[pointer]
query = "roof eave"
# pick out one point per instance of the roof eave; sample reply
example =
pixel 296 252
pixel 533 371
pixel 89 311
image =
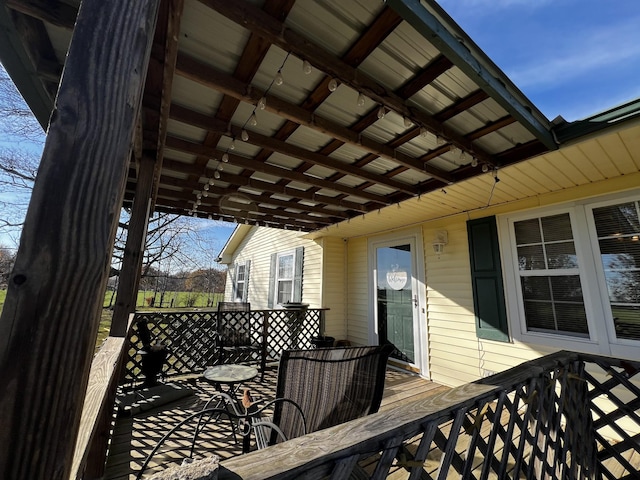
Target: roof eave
pixel 463 52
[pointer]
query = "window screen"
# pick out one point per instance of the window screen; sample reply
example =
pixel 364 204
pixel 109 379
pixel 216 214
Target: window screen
pixel 549 276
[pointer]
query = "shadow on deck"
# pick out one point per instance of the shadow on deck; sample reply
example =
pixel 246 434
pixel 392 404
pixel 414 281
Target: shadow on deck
pixel 134 437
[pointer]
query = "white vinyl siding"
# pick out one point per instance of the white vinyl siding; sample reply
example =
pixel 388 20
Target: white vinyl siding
pixel 258 245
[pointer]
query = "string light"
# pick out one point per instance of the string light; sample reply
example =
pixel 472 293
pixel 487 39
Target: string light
pixel 360 101
pixel 206 187
pixel 216 174
pixel 262 104
pixel 225 157
pixel 306 67
pixel 244 135
pixel 211 181
pixel 474 162
pixel 485 168
pixel 232 145
pixel 407 122
pixel 381 113
pixel 253 120
pixel 279 79
pixel 333 85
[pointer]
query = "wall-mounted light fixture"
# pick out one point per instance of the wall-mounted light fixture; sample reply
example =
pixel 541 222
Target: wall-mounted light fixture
pixel 440 240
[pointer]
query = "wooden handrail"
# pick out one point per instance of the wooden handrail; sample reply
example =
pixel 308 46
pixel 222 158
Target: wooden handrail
pixel 91 444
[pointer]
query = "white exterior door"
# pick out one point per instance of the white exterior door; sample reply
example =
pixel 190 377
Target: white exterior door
pixel 398 297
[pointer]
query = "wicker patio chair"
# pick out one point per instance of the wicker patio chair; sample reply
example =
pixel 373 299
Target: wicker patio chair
pixel 321 388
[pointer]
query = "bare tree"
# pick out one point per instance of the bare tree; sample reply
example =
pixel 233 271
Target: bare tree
pixel 19 121
pixel 21 142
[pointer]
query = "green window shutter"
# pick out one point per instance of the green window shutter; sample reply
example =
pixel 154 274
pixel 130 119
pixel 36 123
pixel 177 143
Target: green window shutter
pixel 245 291
pixel 296 295
pixel 272 280
pixel 486 278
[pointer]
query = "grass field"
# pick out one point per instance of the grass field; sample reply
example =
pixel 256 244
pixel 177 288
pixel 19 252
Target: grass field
pixel 171 299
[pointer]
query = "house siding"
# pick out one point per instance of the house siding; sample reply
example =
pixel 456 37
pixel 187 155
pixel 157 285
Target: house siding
pixel 336 275
pixel 334 292
pixel 357 291
pixel 257 246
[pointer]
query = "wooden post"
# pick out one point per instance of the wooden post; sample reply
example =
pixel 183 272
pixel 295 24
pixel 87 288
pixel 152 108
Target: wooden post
pixel 51 314
pixel 133 250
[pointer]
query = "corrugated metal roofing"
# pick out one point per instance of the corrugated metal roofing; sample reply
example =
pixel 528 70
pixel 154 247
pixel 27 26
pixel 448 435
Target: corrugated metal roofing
pixel 416 107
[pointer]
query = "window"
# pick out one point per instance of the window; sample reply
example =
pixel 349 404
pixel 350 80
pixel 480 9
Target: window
pixel 572 276
pixel 240 271
pixel 285 278
pixel 618 230
pixel 549 276
pixel 241 284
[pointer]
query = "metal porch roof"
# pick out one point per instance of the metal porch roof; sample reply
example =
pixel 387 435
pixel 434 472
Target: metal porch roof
pixel 379 103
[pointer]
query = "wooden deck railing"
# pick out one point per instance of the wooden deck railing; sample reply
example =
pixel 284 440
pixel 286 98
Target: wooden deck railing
pixel 563 416
pixel 97 413
pixel 190 336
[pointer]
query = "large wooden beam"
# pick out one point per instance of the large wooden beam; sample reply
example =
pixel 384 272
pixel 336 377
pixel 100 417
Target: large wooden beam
pixel 50 318
pixel 133 249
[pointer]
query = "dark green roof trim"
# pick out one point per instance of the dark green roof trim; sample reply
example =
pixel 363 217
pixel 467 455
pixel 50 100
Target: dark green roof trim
pixel 434 24
pixel 16 62
pixel 613 117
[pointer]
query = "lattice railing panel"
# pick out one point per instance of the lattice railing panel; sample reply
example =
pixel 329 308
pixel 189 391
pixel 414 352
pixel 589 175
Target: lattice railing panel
pixel 540 420
pixel 614 394
pixel 192 340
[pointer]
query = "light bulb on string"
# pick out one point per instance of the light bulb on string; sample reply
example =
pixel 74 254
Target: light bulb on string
pixel 225 157
pixel 216 174
pixel 253 120
pixel 381 113
pixel 220 168
pixel 278 79
pixel 244 135
pixel 205 194
pixel 333 85
pixel 474 162
pixel 360 101
pixel 407 122
pixel 262 104
pixel 306 67
pixel 198 196
pixel 485 168
pixel 211 181
pixel 206 186
pixel 232 145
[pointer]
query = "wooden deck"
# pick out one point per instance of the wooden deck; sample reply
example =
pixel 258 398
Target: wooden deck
pixel 135 437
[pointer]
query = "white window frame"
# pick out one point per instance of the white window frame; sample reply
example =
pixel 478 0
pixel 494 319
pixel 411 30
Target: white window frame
pixel 277 279
pixel 619 347
pixel 240 284
pixel 597 342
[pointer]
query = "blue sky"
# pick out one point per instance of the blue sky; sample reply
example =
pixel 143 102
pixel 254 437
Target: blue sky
pixel 569 57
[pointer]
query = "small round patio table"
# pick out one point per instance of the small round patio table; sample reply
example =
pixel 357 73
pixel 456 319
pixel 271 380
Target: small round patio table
pixel 230 375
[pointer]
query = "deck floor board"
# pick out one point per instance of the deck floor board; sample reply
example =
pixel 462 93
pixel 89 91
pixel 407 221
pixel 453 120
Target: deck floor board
pixel 135 437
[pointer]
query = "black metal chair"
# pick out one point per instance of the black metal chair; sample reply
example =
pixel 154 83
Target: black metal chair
pixel 321 388
pixel 241 337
